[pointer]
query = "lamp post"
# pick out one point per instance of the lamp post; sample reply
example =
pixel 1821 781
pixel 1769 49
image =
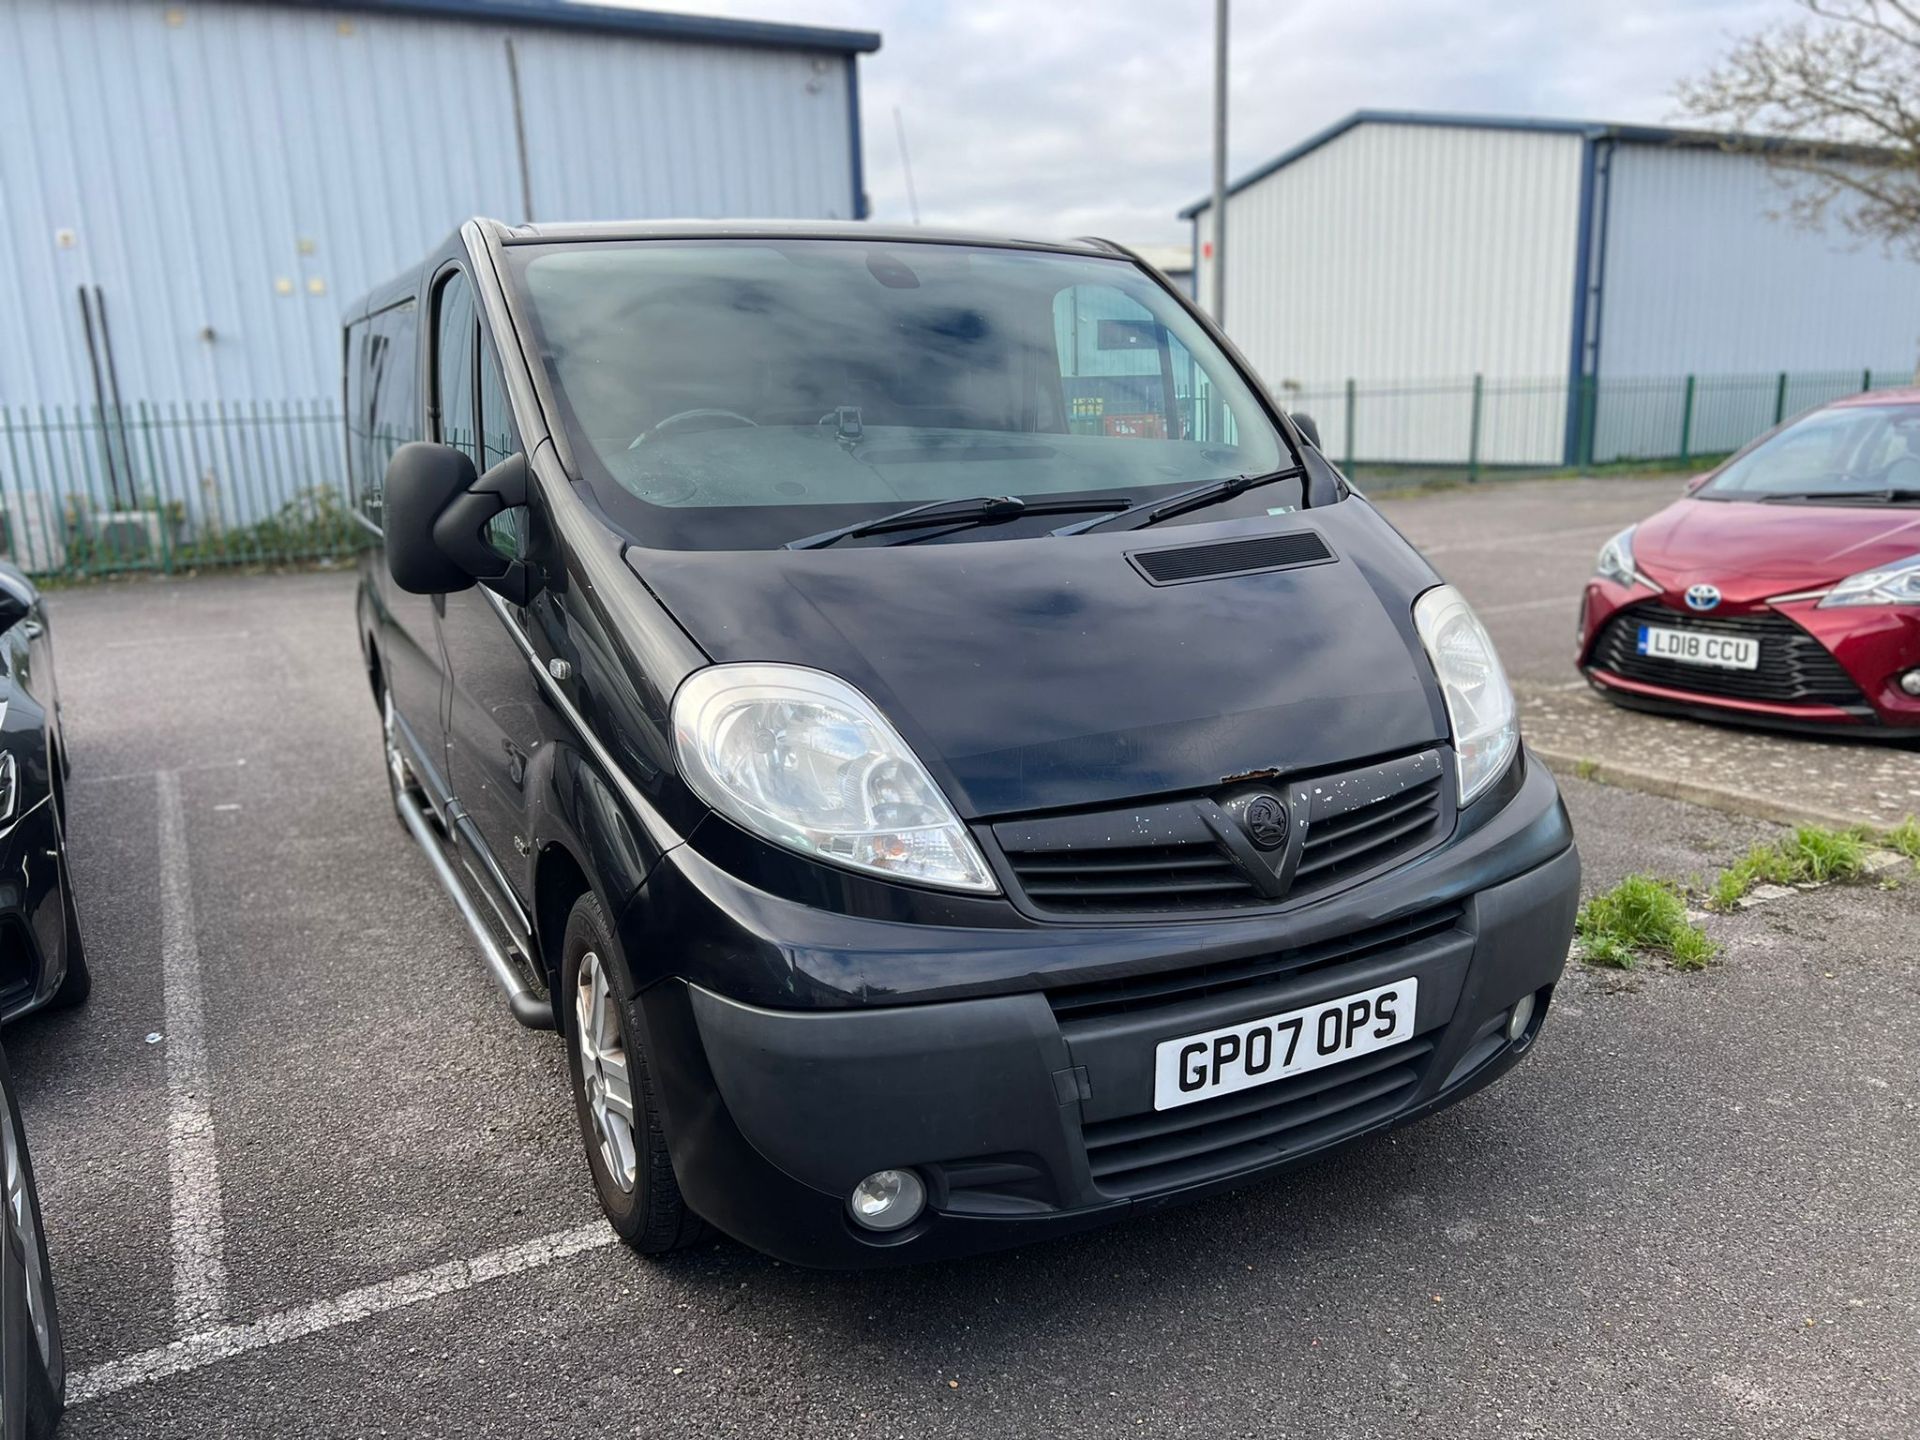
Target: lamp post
pixel 1220 163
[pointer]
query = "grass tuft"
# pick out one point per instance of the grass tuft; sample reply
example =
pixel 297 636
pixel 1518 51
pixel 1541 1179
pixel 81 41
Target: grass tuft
pixel 1812 855
pixel 1904 838
pixel 1639 918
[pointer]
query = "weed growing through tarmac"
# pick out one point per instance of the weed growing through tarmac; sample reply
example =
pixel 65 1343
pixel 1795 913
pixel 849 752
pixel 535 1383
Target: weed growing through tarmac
pixel 1589 770
pixel 1905 839
pixel 1641 918
pixel 1813 855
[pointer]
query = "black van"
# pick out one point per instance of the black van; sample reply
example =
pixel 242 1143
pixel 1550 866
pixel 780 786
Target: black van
pixel 1152 819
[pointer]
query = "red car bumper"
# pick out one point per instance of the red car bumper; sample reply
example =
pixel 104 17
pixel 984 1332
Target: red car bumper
pixel 1827 670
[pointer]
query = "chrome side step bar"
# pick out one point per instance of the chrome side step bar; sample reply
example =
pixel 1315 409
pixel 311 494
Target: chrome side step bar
pixel 530 1009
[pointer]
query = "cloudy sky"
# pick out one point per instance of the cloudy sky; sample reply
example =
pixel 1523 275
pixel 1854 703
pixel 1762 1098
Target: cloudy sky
pixel 1071 117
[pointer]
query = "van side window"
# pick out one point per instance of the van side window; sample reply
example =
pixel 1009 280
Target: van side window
pixel 392 399
pixel 455 339
pixel 499 438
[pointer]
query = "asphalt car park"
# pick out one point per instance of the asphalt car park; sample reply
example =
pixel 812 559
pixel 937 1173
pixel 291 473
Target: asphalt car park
pixel 1520 551
pixel 302 1174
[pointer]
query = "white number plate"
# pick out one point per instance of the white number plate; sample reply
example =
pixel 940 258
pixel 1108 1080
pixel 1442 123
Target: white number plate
pixel 1259 1052
pixel 1691 647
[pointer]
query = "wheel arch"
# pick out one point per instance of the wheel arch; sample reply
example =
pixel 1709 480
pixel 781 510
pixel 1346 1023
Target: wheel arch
pixel 559 880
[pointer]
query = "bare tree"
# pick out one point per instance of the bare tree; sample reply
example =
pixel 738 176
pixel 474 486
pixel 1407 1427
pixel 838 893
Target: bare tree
pixel 1844 80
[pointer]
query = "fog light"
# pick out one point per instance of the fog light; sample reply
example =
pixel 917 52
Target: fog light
pixel 1522 1015
pixel 888 1199
pixel 1910 682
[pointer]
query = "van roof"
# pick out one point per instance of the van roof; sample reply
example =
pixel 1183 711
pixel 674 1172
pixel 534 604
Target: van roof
pixel 779 229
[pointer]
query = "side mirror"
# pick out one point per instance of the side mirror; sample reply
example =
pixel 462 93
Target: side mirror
pixel 16 597
pixel 437 511
pixel 1304 423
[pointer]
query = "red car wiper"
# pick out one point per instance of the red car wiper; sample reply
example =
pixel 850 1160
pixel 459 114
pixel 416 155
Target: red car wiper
pixel 1885 494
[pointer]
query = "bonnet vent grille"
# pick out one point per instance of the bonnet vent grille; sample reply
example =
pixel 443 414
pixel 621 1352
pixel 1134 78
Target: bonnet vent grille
pixel 1231 557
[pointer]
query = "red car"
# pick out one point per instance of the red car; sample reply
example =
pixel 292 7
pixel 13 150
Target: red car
pixel 1784 590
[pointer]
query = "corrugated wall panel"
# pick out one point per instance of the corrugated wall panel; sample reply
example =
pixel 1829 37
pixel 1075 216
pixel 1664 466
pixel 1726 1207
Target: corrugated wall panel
pixel 1402 255
pixel 1702 276
pixel 242 171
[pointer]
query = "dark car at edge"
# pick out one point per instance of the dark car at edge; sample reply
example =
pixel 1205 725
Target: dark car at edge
pixel 42 960
pixel 949 754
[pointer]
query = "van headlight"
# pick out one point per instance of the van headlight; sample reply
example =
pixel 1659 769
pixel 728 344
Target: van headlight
pixel 9 781
pixel 803 759
pixel 1480 707
pixel 1895 584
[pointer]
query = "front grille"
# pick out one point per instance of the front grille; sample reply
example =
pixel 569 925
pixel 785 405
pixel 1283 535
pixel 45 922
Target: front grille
pixel 1795 668
pixel 1165 1149
pixel 1142 992
pixel 1192 874
pixel 1176 855
pixel 1341 846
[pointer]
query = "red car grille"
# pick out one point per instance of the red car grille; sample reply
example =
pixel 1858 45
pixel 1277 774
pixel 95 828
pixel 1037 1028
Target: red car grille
pixel 1795 668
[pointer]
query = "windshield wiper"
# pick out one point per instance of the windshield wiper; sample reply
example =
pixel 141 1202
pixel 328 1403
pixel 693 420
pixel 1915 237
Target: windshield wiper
pixel 1181 501
pixel 980 510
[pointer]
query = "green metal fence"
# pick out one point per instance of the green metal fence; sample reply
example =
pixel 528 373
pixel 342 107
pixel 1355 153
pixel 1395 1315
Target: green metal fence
pixel 177 486
pixel 1476 424
pixel 172 486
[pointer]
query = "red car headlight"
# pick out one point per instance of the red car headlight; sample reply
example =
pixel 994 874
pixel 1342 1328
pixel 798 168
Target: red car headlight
pixel 1895 584
pixel 1615 561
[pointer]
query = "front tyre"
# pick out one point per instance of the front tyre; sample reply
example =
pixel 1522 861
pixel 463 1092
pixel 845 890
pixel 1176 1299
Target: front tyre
pixel 613 1092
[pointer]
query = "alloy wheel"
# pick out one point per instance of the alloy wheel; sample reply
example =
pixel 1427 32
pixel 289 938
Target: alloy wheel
pixel 390 730
pixel 603 1070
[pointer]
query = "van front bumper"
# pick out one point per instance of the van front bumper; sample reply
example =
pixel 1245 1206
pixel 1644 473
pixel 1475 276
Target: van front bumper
pixel 1031 1114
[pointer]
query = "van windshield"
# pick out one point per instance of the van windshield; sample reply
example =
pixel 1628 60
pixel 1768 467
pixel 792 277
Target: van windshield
pixel 735 394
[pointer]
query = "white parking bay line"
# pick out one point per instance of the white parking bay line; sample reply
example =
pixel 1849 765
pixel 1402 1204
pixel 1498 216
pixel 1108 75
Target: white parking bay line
pixel 193 1168
pixel 223 1342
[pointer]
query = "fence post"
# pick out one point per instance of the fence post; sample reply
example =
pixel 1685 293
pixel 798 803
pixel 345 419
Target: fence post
pixel 1866 379
pixel 163 521
pixel 1473 432
pixel 1686 424
pixel 1780 399
pixel 1349 465
pixel 1587 396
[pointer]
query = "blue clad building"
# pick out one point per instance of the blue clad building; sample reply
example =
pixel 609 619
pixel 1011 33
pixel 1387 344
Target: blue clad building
pixel 190 192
